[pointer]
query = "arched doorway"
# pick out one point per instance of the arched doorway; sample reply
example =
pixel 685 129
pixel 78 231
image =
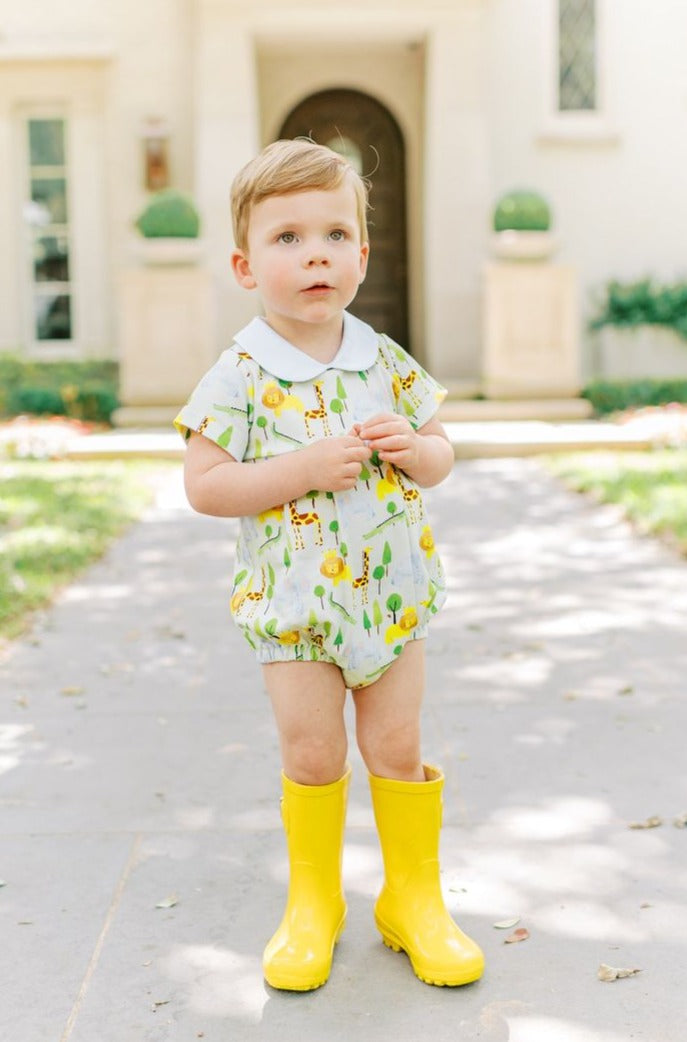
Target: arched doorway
pixel 366 132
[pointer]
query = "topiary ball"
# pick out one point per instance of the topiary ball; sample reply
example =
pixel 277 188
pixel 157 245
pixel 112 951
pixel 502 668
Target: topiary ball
pixel 170 215
pixel 522 211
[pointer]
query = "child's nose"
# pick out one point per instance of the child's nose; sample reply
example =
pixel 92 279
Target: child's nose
pixel 316 255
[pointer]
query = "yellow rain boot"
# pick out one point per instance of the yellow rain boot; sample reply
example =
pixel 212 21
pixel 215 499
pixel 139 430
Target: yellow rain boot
pixel 410 912
pixel 299 956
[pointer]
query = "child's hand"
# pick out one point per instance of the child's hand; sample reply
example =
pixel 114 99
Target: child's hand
pixel 335 463
pixel 392 438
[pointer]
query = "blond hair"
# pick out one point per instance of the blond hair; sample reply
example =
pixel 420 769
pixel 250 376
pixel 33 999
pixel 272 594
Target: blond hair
pixel 292 166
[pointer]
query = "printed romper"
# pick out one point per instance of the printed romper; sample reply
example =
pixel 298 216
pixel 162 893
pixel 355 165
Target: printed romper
pixel 343 577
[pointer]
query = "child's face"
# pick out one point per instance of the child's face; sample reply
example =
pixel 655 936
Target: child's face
pixel 305 257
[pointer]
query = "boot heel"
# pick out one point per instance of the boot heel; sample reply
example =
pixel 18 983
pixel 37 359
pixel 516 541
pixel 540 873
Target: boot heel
pixel 389 939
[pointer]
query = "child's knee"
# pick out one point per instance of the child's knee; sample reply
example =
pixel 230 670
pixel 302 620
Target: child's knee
pixel 393 754
pixel 313 761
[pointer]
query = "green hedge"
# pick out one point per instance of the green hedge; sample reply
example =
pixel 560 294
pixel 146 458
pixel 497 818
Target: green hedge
pixel 81 390
pixel 645 302
pixel 608 396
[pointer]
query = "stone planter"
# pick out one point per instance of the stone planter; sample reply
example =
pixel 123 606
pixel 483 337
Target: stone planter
pixel 523 246
pixel 644 352
pixel 166 252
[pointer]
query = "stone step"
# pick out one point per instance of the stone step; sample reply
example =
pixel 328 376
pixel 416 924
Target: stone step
pixel 456 409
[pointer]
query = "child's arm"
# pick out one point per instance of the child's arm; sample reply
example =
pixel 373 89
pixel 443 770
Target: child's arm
pixel 219 485
pixel 426 455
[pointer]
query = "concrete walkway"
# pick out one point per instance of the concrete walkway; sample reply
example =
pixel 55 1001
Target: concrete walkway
pixel 140 842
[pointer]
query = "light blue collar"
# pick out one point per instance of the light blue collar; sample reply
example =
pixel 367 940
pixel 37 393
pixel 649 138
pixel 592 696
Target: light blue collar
pixel 280 358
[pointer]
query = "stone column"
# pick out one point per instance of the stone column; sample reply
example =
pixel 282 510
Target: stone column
pixel 226 136
pixel 167 340
pixel 456 195
pixel 531 341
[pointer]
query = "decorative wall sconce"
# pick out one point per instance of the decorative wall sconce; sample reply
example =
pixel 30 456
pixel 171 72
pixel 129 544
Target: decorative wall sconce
pixel 155 137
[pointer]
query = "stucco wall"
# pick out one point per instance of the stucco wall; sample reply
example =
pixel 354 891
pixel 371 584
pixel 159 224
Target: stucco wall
pixel 469 81
pixel 616 183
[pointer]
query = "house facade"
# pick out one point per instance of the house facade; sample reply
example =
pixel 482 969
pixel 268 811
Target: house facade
pixel 446 104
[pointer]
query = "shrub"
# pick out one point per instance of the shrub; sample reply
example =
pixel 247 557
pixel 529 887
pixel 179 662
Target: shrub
pixel 82 390
pixel 522 211
pixel 644 302
pixel 607 396
pixel 169 214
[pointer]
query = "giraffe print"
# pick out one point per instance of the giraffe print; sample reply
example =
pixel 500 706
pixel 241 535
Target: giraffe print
pixel 411 499
pixel 405 383
pixel 300 521
pixel 317 414
pixel 253 597
pixel 362 582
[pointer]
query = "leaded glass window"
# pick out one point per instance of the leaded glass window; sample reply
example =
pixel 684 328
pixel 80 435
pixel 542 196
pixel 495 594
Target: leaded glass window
pixel 47 216
pixel 577 80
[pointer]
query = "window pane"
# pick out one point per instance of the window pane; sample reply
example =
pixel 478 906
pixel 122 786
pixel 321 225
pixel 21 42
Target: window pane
pixel 51 259
pixel 53 317
pixel 577 55
pixel 46 142
pixel 51 193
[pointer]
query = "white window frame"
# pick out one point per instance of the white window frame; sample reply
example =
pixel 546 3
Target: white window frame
pixel 584 126
pixel 50 350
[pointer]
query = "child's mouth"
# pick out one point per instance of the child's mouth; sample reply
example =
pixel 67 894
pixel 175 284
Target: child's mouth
pixel 318 287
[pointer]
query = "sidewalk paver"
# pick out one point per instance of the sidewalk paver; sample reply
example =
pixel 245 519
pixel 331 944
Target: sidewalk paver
pixel 139 767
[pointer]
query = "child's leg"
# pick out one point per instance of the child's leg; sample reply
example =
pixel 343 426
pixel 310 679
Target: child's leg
pixel 388 717
pixel 308 700
pixel 407 798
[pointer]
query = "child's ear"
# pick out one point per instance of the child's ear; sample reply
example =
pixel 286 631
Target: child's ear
pixel 241 268
pixel 364 257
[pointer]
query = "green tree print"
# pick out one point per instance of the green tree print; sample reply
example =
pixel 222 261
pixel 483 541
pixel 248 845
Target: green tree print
pixel 386 556
pixel 337 407
pixel 394 602
pixel 341 391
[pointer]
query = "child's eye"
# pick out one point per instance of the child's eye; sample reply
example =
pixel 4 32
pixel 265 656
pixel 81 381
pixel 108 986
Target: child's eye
pixel 287 237
pixel 338 235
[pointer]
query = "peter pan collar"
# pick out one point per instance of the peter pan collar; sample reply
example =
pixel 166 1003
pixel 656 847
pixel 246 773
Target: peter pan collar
pixel 280 358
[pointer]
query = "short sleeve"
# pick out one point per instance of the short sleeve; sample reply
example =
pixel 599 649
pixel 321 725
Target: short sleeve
pixel 220 407
pixel 417 394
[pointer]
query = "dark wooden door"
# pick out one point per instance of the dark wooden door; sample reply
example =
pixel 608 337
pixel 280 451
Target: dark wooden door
pixel 365 131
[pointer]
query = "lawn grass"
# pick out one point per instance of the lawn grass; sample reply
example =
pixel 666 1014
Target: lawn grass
pixel 55 519
pixel 650 487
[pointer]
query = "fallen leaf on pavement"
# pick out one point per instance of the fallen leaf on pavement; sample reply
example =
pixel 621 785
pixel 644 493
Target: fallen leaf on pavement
pixel 609 973
pixel 506 924
pixel 168 902
pixel 681 822
pixel 650 823
pixel 71 690
pixel 518 935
